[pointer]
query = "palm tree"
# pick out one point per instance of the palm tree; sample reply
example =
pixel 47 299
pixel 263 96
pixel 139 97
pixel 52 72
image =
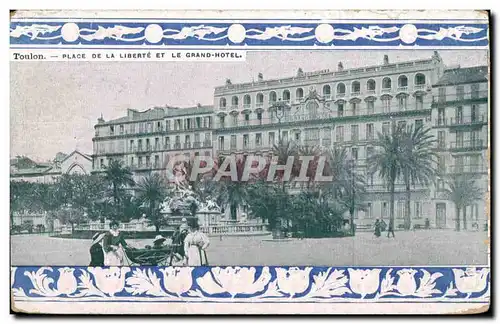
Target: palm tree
pixel 348 186
pixel 151 192
pixel 118 176
pixel 462 191
pixel 387 162
pixel 418 163
pixel 233 193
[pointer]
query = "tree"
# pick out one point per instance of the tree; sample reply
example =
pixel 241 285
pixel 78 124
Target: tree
pixel 462 191
pixel 151 191
pixel 265 201
pixel 234 193
pixel 387 161
pixel 418 162
pixel 118 177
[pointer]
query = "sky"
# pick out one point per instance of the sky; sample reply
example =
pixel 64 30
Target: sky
pixel 55 105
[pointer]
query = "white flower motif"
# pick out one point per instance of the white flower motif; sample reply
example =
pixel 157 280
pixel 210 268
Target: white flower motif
pixel 471 280
pixel 177 280
pixel 364 282
pixel 294 280
pixel 407 284
pixel 234 280
pixel 66 284
pixel 110 280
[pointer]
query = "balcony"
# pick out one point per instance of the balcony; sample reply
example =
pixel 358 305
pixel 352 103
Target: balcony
pixel 471 168
pixel 247 106
pixel 259 105
pixel 328 96
pixel 355 93
pixel 340 95
pixel 420 87
pixel 177 146
pixel 371 92
pixel 468 145
pixel 398 187
pixel 326 142
pixel 234 107
pixel 196 144
pixel 187 145
pixel 386 90
pixel 467 121
pixel 222 107
pixel 167 147
pixel 207 144
pixel 403 89
pixel 298 100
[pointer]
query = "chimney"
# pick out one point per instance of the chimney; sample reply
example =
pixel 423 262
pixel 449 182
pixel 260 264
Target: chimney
pixel 100 120
pixel 300 72
pixel 340 67
pixel 260 77
pixel 386 59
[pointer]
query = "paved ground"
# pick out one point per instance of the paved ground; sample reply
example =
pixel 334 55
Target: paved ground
pixel 409 248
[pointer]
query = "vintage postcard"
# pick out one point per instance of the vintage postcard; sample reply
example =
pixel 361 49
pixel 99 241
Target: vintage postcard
pixel 249 162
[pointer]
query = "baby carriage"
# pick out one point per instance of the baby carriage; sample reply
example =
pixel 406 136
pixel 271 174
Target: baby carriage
pixel 151 257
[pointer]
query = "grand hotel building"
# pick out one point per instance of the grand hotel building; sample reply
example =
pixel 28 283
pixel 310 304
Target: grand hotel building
pixel 345 107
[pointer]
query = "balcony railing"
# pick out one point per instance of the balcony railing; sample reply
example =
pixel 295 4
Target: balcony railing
pixel 370 92
pixel 167 146
pixel 469 120
pixel 328 96
pixel 386 90
pixel 177 146
pixel 234 107
pixel 397 187
pixel 473 144
pixel 207 143
pixel 470 168
pixel 259 105
pixel 196 144
pixel 326 142
pixel 187 145
pixel 355 93
pixel 247 106
pixel 403 89
pixel 419 87
pixel 340 95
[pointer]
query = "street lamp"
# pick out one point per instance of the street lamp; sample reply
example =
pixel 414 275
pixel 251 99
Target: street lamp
pixel 279 108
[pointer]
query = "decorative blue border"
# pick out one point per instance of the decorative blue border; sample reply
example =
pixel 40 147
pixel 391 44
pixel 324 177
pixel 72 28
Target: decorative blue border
pixel 252 284
pixel 245 34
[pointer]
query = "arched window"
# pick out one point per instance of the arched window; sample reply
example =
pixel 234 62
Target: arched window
pixel 402 81
pixel 341 88
pixel 234 101
pixel 222 103
pixel 286 95
pixel 370 85
pixel 247 100
pixel 355 87
pixel 386 83
pixel 299 93
pixel 272 97
pixel 420 79
pixel 260 99
pixel 327 91
pixel 312 108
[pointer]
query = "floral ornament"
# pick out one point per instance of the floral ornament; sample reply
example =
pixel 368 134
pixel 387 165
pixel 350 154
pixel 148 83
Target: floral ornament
pixel 145 281
pixel 364 282
pixel 110 280
pixel 294 280
pixel 234 280
pixel 66 283
pixel 177 280
pixel 471 280
pixel 326 284
pixel 407 284
pixel 12 276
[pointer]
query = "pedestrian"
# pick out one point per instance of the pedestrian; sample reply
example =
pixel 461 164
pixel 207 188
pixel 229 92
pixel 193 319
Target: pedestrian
pixel 195 246
pixel 114 245
pixel 391 230
pixel 96 251
pixel 378 227
pixel 178 238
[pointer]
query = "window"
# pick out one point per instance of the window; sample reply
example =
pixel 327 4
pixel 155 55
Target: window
pixel 341 88
pixel 148 161
pixel 157 143
pixel 101 163
pixel 312 108
pixel 141 127
pixel 259 118
pixel 327 91
pixel 131 148
pixel 139 144
pixel 233 142
pixel 474 212
pixel 111 130
pixel 271 139
pixel 258 139
pixel 111 147
pixel 474 91
pixel 355 87
pixel 369 132
pixel 246 101
pixel 400 209
pixel 354 153
pixel 419 102
pixel 286 95
pixel 340 134
pixel 157 161
pixel 148 145
pixel 167 143
pixel 442 94
pixel 474 114
pixel 370 105
pixel 474 162
pixel 369 152
pixel 354 108
pixel 354 133
pixel 459 164
pixel 132 128
pixel 419 123
pixel 386 128
pixel 260 99
pixel 234 120
pixel 222 121
pixel 369 210
pixel 234 102
pixel 402 100
pixel 402 124
pixel 386 104
pixel 132 161
pixel 140 161
pixel 221 143
pixel 297 136
pixel 246 141
pixel 370 85
pixel 440 185
pixel 402 81
pixel 386 84
pixel 441 164
pixel 441 139
pixel 459 114
pixel 272 97
pixel 441 117
pixel 122 129
pixel 418 209
pixel 340 109
pixel 384 213
pixel 420 79
pixel 222 103
pixel 460 92
pixel 247 118
pixel 285 136
pixel 208 139
pixel 460 139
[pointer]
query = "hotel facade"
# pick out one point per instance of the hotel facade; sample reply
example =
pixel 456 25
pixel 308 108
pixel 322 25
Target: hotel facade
pixel 341 108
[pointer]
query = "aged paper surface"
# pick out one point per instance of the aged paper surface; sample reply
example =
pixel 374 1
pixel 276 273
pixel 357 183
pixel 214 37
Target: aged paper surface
pixel 260 162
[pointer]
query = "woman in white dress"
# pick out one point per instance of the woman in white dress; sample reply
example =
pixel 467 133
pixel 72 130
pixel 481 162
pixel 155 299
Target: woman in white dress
pixel 113 246
pixel 195 245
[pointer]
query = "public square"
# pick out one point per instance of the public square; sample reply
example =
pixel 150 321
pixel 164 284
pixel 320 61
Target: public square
pixel 413 248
